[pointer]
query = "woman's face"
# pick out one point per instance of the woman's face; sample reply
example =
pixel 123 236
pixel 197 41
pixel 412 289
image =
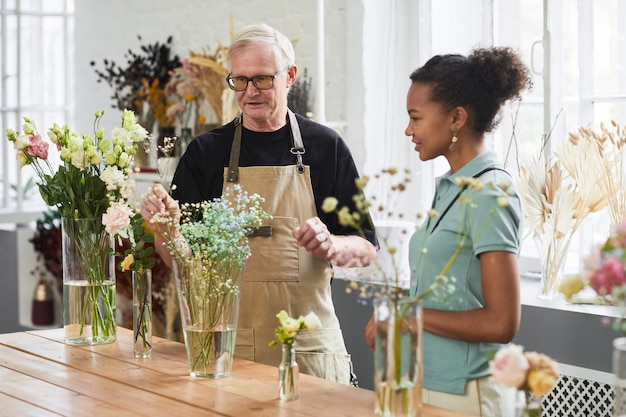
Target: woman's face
pixel 430 125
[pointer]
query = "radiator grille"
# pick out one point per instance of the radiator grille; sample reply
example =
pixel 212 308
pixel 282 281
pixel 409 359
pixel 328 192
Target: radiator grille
pixel 578 397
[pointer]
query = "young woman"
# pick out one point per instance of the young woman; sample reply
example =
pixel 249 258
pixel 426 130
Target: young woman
pixel 452 102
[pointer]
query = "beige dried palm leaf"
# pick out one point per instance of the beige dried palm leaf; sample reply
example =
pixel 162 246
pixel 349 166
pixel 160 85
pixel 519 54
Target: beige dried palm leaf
pixel 603 155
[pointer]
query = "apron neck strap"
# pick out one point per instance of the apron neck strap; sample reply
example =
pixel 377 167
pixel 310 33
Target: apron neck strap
pixel 296 141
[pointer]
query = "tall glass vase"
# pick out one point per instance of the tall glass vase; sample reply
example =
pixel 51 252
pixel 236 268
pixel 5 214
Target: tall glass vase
pixel 88 282
pixel 209 298
pixel 619 371
pixel 288 374
pixel 142 313
pixel 398 357
pixel 552 255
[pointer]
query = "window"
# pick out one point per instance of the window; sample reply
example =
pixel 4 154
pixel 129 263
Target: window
pixel 575 49
pixel 36 74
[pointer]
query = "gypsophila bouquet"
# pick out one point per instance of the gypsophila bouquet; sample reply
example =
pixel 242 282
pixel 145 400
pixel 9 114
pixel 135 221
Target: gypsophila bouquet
pixel 209 245
pixel 532 374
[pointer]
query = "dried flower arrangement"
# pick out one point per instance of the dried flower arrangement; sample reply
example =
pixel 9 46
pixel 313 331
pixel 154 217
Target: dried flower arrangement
pixel 146 72
pixel 557 196
pixel 603 165
pixel 298 99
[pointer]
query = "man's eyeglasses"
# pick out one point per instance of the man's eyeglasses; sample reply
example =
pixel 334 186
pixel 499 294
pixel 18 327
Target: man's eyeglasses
pixel 261 82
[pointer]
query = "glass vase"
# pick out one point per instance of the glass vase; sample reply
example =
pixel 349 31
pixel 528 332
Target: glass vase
pixel 398 357
pixel 619 371
pixel 88 282
pixel 209 298
pixel 288 374
pixel 528 405
pixel 552 254
pixel 142 313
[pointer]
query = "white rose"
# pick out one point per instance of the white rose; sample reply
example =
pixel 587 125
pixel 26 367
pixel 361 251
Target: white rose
pixel 509 367
pixel 311 321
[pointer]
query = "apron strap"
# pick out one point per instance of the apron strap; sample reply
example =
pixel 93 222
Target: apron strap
pixel 296 140
pixel 298 146
pixel 235 150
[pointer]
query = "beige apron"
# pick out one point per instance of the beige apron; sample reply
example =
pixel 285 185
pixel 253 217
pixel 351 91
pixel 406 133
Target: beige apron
pixel 280 275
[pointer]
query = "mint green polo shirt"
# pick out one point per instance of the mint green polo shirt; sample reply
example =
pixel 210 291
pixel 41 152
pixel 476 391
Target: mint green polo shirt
pixel 449 363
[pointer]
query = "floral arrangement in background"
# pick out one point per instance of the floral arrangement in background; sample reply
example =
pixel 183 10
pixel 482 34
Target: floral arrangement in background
pixel 186 97
pixel 532 374
pixel 557 196
pixel 138 84
pixel 604 272
pixel 208 72
pixel 47 244
pixel 298 99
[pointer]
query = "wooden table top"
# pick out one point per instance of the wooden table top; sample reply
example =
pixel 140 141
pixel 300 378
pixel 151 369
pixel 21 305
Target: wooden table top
pixel 42 376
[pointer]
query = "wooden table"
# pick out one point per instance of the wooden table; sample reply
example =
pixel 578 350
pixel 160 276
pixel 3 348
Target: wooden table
pixel 42 376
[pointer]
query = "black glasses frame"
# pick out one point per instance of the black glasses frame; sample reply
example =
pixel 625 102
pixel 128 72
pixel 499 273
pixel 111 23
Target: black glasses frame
pixel 231 81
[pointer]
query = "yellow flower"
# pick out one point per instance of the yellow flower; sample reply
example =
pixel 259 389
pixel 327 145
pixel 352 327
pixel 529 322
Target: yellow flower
pixel 541 382
pixel 329 205
pixel 345 218
pixel 361 182
pixel 127 262
pixel 571 285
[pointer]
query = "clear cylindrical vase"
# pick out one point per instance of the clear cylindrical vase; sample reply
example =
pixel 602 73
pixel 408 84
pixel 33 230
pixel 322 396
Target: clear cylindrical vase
pixel 142 313
pixel 209 298
pixel 288 374
pixel 88 282
pixel 398 357
pixel 619 370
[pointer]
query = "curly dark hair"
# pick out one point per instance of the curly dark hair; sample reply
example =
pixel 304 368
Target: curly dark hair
pixel 481 82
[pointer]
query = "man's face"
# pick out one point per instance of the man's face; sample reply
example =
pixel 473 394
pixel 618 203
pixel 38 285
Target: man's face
pixel 264 110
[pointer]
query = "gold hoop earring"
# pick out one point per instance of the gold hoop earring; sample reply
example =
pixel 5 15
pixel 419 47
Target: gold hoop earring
pixel 455 139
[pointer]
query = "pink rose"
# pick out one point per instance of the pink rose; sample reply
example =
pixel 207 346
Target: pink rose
pixel 611 273
pixel 509 367
pixel 37 148
pixel 116 218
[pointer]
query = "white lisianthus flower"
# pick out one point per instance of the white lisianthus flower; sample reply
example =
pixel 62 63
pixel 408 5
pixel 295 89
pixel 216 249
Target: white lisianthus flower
pixel 22 159
pixel 93 156
pixel 510 367
pixel 22 142
pixel 53 137
pixel 29 128
pixel 112 177
pixel 311 321
pixel 77 158
pixel 124 160
pixel 104 146
pixel 121 136
pixel 291 325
